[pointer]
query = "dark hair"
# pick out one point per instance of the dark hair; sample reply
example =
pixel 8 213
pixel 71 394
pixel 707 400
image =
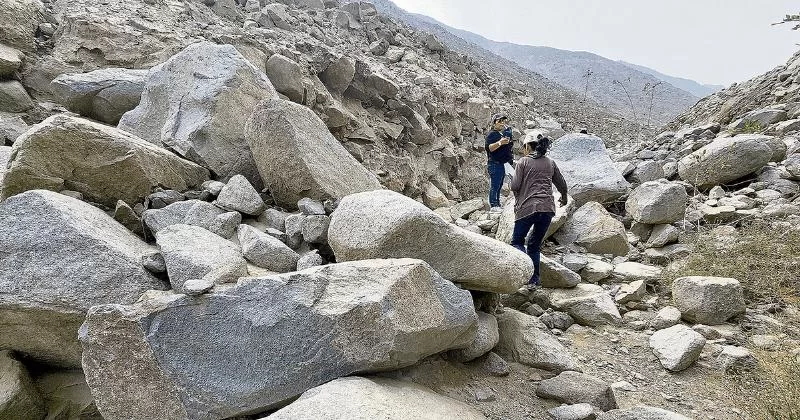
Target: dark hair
pixel 542 145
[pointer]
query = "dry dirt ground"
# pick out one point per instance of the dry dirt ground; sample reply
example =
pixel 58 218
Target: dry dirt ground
pixel 612 354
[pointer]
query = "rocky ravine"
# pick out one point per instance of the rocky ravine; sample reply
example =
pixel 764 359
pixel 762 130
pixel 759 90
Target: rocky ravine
pixel 203 240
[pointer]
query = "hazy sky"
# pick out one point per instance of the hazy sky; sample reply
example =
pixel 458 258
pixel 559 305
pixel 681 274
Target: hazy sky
pixel 710 41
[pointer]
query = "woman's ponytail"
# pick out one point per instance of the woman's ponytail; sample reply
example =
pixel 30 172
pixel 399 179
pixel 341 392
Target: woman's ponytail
pixel 542 145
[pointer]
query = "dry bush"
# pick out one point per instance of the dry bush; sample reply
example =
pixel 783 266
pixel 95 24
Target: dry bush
pixel 771 391
pixel 764 258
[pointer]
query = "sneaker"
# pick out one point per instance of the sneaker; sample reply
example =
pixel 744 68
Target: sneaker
pixel 496 209
pixel 534 281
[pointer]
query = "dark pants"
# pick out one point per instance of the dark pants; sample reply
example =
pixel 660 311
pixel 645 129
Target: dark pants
pixel 540 222
pixel 497 173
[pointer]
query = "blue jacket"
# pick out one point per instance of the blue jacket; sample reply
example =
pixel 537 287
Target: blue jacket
pixel 505 153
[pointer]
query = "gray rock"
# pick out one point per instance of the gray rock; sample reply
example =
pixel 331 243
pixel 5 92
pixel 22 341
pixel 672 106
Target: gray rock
pixel 583 411
pixel 192 252
pixel 266 251
pixel 760 118
pixel 493 364
pixel 62 256
pixel 464 209
pixel 188 106
pixel 557 320
pixel 14 97
pixel 677 347
pixel 101 162
pixel 195 213
pixel 631 292
pixel 286 76
pixel 294 230
pixel 486 339
pixel 338 75
pixel 11 127
pixel 311 207
pixel 239 195
pixel 360 398
pixel 641 413
pixel 575 388
pixel 596 270
pixel 631 271
pixel 657 202
pixel 197 287
pixel 668 253
pixel 154 263
pixel 10 60
pixel 213 187
pixel 553 274
pixel 524 339
pixel 278 15
pixel 663 235
pixel 645 171
pixel 725 159
pixel 665 318
pixel 735 359
pixel 309 259
pixel 505 228
pixel 19 398
pixel 382 86
pixel 309 162
pixel 433 43
pixel 161 199
pixel 708 300
pixel 103 94
pixel 19 21
pixel 385 224
pixel 274 219
pixel 593 227
pixel 315 229
pixel 124 214
pixel 588 304
pixel 315 326
pixel 587 168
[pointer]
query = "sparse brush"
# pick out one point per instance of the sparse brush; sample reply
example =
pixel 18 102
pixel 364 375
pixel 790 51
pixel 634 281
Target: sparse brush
pixel 765 259
pixel 771 391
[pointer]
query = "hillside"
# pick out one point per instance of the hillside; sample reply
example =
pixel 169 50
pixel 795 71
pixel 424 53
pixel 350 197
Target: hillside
pixel 697 89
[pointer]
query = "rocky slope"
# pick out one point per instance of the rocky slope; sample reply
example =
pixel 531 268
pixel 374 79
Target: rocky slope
pixel 697 89
pixel 271 223
pixel 567 69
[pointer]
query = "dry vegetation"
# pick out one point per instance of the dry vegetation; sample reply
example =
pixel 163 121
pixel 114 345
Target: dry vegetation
pixel 766 260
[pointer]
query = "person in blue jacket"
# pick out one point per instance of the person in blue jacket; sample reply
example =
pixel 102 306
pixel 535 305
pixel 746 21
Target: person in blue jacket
pixel 499 145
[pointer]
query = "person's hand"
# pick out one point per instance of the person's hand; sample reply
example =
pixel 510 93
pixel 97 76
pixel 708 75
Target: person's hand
pixel 563 200
pixel 504 141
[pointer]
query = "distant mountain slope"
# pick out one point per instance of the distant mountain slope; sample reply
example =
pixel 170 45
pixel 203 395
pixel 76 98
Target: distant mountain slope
pixel 569 68
pixel 695 88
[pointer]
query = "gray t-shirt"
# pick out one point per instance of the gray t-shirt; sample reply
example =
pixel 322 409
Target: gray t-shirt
pixel 533 186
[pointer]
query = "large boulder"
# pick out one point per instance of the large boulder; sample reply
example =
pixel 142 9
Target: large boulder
pixel 307 161
pixel 338 75
pixel 10 60
pixel 725 159
pixel 286 76
pixel 19 398
pixel 759 119
pixel 385 224
pixel 588 304
pixel 103 163
pixel 257 344
pixel 5 156
pixel 525 339
pixel 708 300
pixel 677 347
pixel 103 94
pixel 587 168
pixel 60 257
pixel 657 202
pixel 192 253
pixel 357 398
pixel 197 103
pixel 593 227
pixel 641 412
pixel 575 388
pixel 14 97
pixel 19 20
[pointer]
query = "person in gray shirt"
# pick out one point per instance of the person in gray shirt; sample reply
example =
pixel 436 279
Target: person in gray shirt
pixel 535 207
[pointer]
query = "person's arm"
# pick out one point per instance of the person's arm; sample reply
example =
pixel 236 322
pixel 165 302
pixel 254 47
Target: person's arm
pixel 560 183
pixel 493 146
pixel 516 180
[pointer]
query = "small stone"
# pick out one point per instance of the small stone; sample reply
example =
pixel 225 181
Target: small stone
pixel 485 395
pixel 315 229
pixel 154 263
pixel 493 364
pixel 310 207
pixel 677 347
pixel 213 187
pixel 161 199
pixel 665 318
pixel 197 287
pixel 310 259
pixel 582 411
pixel 239 195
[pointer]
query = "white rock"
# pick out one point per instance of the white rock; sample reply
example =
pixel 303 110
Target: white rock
pixel 677 347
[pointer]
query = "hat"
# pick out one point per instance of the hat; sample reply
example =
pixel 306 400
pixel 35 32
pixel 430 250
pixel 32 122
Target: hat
pixel 497 117
pixel 532 137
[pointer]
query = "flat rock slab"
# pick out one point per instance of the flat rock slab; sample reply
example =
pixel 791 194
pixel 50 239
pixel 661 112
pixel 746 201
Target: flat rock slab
pixel 266 340
pixel 102 163
pixel 357 398
pixel 385 224
pixel 62 256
